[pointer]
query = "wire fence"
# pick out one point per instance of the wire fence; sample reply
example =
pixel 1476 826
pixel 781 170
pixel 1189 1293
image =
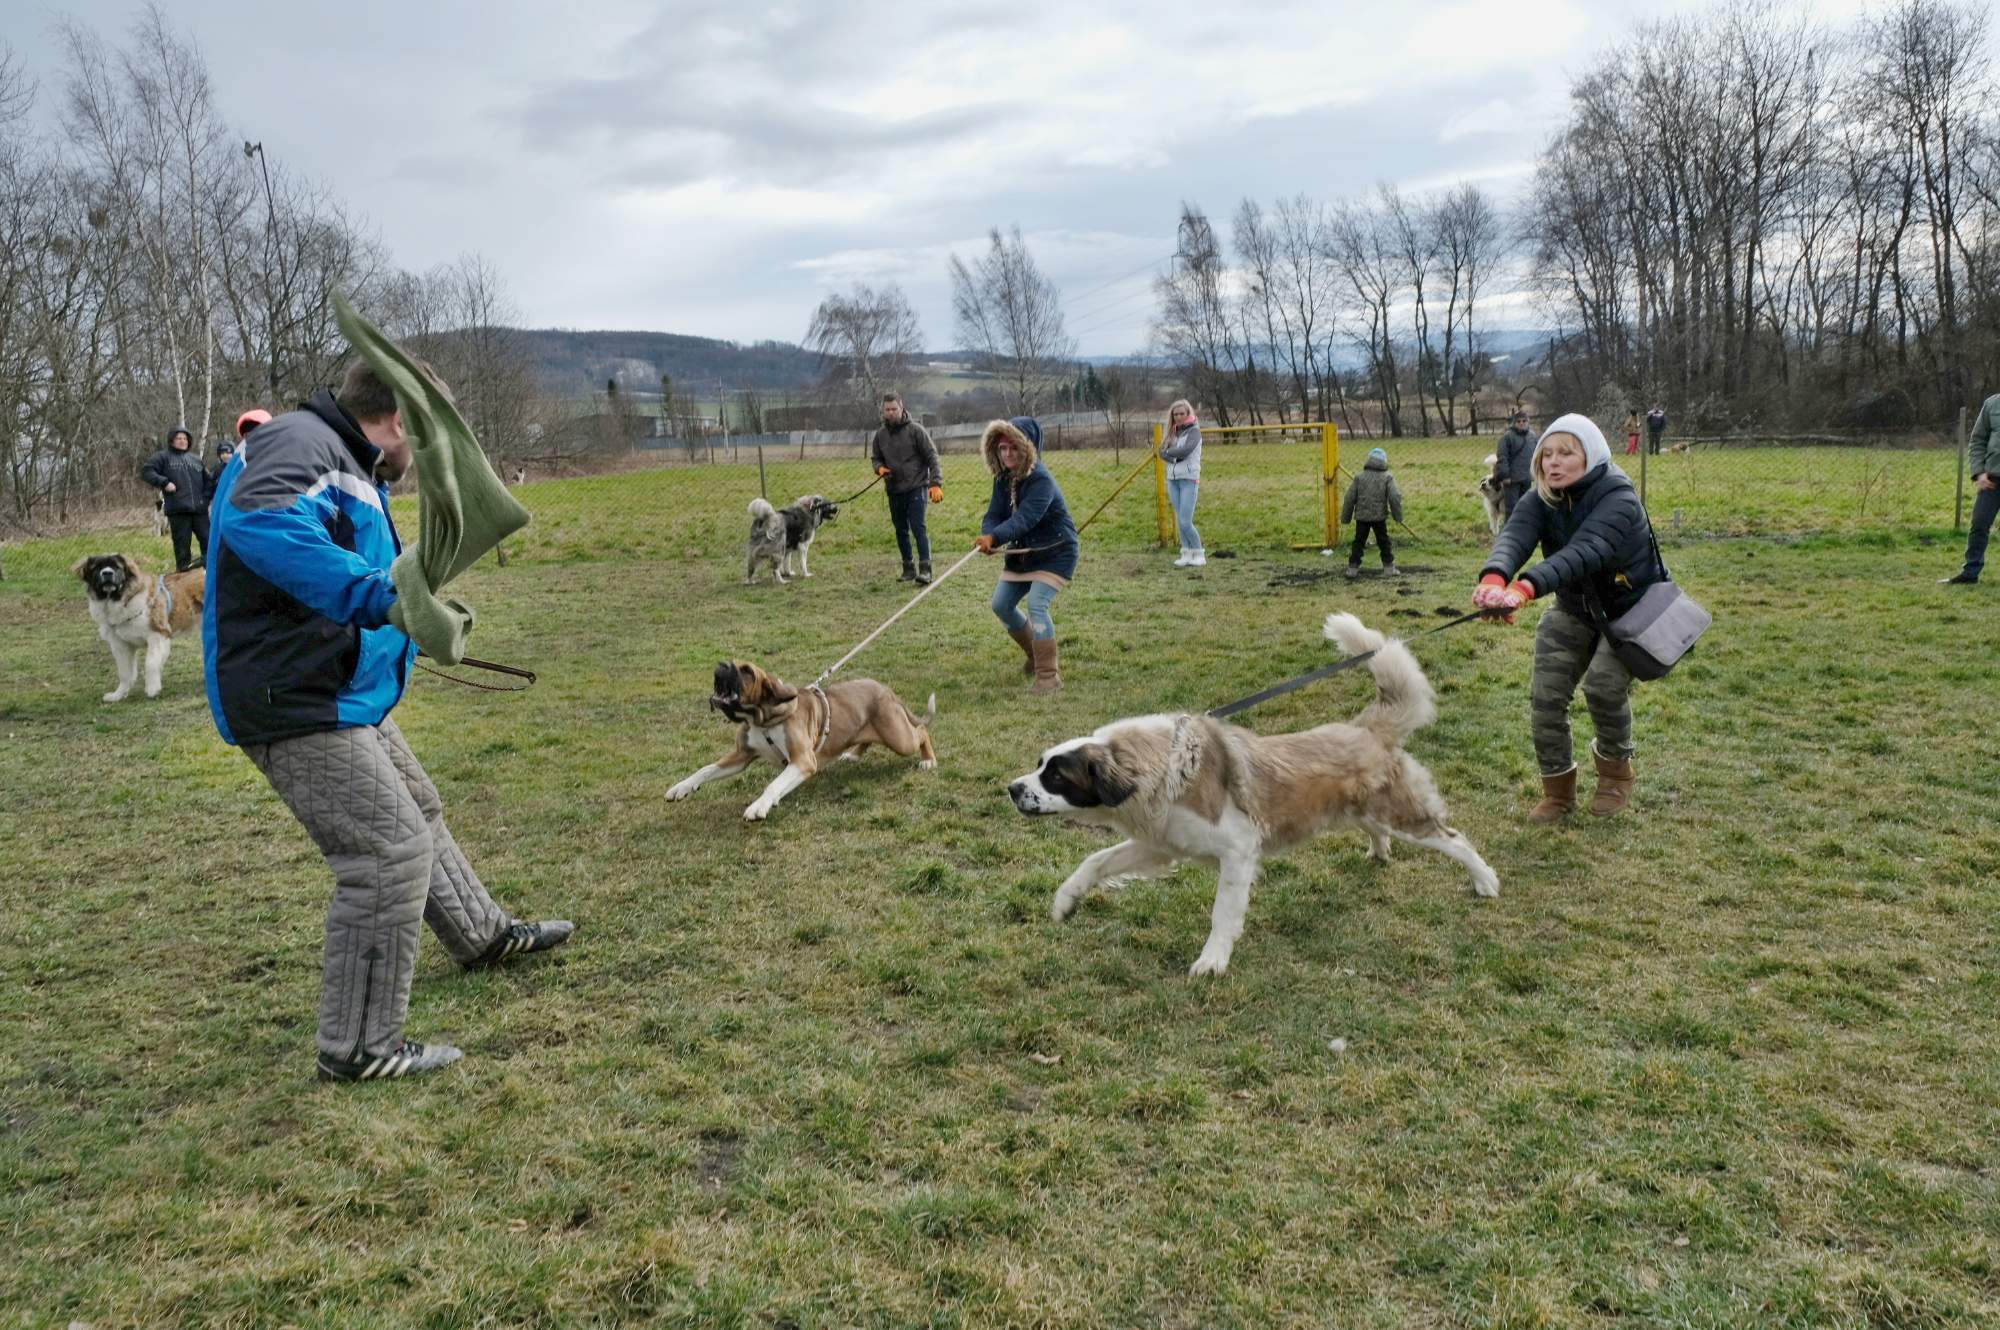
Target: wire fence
pixel 1263 491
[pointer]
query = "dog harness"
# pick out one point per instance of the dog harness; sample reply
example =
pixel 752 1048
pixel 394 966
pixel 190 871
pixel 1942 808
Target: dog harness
pixel 825 715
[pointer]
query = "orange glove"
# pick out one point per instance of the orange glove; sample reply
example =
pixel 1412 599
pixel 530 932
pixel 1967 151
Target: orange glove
pixel 937 494
pixel 1494 593
pixel 881 470
pixel 984 544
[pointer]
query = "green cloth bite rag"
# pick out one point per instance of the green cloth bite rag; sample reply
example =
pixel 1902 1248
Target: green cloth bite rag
pixel 463 510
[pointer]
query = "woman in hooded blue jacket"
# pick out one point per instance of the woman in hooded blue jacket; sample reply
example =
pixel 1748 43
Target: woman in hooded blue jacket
pixel 1598 558
pixel 1027 513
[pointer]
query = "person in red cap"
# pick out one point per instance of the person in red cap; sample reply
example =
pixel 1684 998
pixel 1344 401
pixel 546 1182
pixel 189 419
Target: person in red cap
pixel 225 450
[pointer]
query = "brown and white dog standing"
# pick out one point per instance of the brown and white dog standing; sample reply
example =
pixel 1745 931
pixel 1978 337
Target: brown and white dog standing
pixel 1192 787
pixel 137 613
pixel 801 730
pixel 1489 495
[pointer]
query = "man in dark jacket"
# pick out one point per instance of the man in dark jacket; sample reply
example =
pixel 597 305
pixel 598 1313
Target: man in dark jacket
pixel 176 471
pixel 904 454
pixel 1982 456
pixel 1656 425
pixel 1510 465
pixel 303 669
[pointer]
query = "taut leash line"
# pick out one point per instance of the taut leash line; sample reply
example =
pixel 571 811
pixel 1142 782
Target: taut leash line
pixel 1143 464
pixel 939 580
pixel 1327 671
pixel 827 673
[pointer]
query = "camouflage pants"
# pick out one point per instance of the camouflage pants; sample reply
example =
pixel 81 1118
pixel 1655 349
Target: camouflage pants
pixel 1567 650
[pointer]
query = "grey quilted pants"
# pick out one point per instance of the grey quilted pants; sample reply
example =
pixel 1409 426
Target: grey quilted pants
pixel 364 798
pixel 1568 650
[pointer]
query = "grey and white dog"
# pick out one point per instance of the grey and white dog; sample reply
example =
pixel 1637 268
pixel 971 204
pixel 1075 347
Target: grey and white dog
pixel 782 536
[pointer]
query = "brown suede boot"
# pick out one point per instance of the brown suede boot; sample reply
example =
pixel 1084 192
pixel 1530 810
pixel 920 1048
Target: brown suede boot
pixel 1047 679
pixel 1024 638
pixel 1614 784
pixel 1558 798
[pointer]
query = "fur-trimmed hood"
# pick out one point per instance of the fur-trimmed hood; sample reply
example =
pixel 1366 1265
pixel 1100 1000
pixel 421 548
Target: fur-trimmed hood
pixel 989 447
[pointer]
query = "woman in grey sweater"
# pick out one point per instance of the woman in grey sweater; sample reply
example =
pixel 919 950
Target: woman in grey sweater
pixel 1180 449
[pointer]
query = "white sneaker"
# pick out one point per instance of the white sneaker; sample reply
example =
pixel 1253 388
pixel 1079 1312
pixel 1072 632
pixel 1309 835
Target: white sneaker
pixel 1184 560
pixel 1197 558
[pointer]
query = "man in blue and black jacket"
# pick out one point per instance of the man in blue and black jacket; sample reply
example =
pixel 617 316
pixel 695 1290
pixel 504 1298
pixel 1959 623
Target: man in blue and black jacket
pixel 303 670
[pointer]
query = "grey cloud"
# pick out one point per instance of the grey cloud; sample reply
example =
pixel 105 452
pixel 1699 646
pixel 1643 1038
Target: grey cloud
pixel 739 100
pixel 444 168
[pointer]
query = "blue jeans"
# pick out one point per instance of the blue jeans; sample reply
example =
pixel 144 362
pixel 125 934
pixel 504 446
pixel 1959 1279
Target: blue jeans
pixel 906 510
pixel 1985 505
pixel 1182 494
pixel 1007 597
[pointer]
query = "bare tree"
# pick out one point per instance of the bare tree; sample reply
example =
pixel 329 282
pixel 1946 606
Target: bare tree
pixel 1123 393
pixel 1194 322
pixel 1927 62
pixel 1008 312
pixel 1469 248
pixel 1362 248
pixel 867 340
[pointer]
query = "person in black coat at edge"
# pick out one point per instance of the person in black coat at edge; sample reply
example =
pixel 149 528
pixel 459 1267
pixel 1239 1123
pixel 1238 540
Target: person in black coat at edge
pixel 1596 545
pixel 185 488
pixel 1510 462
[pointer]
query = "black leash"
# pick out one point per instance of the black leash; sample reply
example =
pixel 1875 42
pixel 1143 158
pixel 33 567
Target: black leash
pixel 863 490
pixel 489 666
pixel 1327 671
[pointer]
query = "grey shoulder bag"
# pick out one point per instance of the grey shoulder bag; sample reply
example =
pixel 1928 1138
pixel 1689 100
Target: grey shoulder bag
pixel 1650 638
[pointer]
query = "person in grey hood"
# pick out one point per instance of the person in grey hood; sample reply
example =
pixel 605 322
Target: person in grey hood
pixel 1598 558
pixel 185 488
pixel 1512 455
pixel 908 462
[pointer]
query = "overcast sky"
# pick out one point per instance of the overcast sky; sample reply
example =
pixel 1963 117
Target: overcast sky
pixel 715 168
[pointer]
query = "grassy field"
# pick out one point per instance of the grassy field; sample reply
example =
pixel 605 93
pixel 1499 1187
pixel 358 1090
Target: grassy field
pixel 1730 1061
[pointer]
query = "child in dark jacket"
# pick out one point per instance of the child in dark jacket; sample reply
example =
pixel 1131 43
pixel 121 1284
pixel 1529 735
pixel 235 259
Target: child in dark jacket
pixel 1371 501
pixel 1028 513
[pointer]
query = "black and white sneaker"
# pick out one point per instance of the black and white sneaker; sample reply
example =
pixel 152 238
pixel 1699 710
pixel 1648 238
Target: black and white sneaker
pixel 406 1059
pixel 520 939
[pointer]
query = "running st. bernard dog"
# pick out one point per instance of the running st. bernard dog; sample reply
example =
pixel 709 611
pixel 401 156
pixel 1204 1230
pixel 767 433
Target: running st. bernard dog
pixel 801 729
pixel 1192 787
pixel 136 612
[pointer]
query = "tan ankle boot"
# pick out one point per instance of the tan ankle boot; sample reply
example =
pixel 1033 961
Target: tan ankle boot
pixel 1614 784
pixel 1047 678
pixel 1024 638
pixel 1558 798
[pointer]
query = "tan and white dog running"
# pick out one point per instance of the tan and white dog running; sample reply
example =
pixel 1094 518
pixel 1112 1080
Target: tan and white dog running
pixel 138 614
pixel 1193 787
pixel 803 730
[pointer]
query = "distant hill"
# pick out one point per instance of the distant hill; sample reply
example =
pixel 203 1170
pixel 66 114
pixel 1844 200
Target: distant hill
pixel 570 363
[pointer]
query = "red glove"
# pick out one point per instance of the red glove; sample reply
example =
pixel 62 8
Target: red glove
pixel 881 470
pixel 984 544
pixel 937 494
